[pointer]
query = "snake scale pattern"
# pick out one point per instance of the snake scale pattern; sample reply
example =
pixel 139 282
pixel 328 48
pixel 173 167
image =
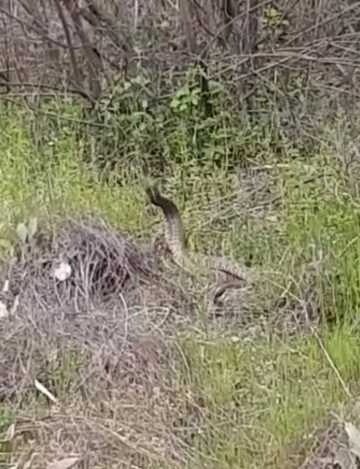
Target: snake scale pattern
pixel 195 263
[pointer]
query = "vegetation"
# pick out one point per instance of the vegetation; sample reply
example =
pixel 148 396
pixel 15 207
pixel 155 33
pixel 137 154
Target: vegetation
pixel 236 402
pixel 247 115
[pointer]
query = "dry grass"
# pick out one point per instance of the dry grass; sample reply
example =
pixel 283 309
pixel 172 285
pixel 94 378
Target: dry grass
pixel 98 343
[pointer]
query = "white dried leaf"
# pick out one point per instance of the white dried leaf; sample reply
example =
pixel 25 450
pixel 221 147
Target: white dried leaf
pixel 22 232
pixel 33 225
pixel 10 432
pixel 15 305
pixel 62 272
pixel 354 438
pixel 41 388
pixel 66 463
pixel 5 288
pixel 28 464
pixel 4 312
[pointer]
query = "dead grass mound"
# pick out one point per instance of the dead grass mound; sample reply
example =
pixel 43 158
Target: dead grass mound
pixel 113 294
pixel 99 342
pixel 102 262
pixel 83 262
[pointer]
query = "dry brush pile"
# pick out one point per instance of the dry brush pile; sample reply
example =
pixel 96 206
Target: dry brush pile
pixel 83 286
pixel 83 321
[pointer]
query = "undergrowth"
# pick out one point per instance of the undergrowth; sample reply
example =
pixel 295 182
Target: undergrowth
pixel 253 397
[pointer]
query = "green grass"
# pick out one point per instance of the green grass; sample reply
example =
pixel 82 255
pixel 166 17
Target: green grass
pixel 255 397
pixel 260 397
pixel 48 179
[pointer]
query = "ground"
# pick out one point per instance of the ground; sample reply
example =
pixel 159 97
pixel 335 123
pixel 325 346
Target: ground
pixel 147 379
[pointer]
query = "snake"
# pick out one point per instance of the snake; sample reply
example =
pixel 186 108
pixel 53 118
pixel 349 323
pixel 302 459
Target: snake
pixel 175 240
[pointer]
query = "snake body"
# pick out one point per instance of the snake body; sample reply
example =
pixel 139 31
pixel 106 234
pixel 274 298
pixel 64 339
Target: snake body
pixel 174 237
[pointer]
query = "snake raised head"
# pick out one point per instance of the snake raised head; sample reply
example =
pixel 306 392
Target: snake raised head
pixel 174 237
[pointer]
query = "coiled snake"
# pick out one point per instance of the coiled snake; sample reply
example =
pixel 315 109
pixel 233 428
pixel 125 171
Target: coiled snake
pixel 195 263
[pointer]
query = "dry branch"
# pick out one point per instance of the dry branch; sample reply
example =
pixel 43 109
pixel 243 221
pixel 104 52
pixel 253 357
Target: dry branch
pixel 232 39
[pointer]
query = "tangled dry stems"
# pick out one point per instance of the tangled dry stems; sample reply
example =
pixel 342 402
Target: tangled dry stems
pixel 115 293
pixel 97 342
pixel 104 264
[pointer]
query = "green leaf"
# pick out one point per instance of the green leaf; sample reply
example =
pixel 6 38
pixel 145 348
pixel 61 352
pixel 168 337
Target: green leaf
pixel 5 243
